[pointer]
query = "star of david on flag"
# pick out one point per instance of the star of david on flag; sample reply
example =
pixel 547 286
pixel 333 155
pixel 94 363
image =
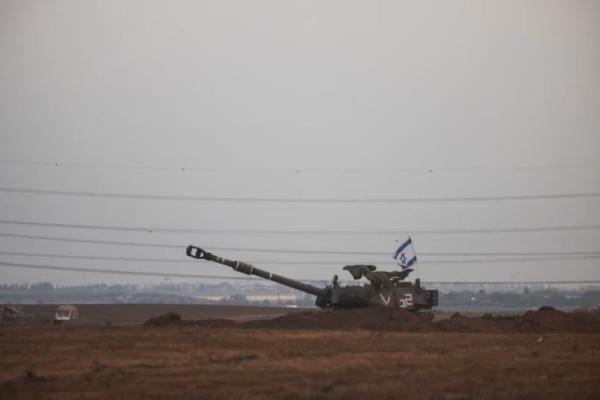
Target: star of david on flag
pixel 405 255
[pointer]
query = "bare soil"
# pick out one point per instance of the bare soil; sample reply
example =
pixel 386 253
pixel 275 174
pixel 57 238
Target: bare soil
pixel 371 354
pixel 136 314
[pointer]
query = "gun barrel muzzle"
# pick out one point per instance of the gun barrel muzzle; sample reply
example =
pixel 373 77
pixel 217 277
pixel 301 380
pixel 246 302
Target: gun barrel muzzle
pixel 197 252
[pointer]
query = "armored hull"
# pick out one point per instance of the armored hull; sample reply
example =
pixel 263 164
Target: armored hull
pixel 404 295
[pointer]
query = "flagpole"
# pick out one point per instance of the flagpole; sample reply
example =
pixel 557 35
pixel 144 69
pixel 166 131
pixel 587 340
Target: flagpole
pixel 418 270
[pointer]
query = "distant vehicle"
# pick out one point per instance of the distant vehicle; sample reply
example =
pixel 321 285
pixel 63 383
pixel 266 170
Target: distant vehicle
pixel 385 289
pixel 11 313
pixel 66 313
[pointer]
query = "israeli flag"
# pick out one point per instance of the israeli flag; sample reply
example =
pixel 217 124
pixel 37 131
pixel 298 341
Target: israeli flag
pixel 405 255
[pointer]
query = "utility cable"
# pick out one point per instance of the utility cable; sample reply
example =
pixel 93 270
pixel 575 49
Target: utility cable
pixel 242 278
pixel 95 241
pixel 306 200
pixel 294 251
pixel 345 171
pixel 311 262
pixel 308 232
pixel 434 283
pixel 122 272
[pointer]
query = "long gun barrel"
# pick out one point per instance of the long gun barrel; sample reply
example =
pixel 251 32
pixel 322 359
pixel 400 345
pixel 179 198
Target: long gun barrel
pixel 248 269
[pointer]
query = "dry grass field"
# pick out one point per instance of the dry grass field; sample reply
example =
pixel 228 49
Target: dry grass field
pixel 222 360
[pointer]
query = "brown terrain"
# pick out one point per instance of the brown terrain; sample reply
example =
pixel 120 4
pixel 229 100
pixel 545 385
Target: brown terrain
pixel 204 352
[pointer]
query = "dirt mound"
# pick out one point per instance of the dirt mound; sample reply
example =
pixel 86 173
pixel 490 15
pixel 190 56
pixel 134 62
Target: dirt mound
pixel 485 324
pixel 167 319
pixel 216 323
pixel 548 319
pixel 544 320
pixel 175 319
pixel 382 319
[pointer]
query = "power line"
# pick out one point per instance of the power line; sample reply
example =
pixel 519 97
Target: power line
pixel 296 251
pixel 93 241
pixel 105 258
pixel 106 166
pixel 177 275
pixel 307 200
pixel 308 232
pixel 344 171
pixel 305 263
pixel 122 272
pixel 509 260
pixel 505 254
pixel 511 282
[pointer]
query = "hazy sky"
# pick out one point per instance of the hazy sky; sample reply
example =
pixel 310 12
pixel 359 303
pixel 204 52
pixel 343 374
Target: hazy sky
pixel 310 99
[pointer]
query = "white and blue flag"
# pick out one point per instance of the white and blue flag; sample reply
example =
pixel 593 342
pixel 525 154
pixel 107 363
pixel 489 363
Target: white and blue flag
pixel 405 255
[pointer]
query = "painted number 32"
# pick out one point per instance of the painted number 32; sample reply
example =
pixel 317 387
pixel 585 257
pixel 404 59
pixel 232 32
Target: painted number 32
pixel 407 301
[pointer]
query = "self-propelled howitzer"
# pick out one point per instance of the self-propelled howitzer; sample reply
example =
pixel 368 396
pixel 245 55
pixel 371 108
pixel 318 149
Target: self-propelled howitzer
pixel 385 289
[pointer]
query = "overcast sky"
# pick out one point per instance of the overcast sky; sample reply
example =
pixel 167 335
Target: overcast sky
pixel 311 99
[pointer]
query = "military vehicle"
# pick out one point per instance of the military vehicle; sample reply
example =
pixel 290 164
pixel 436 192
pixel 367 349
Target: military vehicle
pixel 65 312
pixel 10 313
pixel 385 289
